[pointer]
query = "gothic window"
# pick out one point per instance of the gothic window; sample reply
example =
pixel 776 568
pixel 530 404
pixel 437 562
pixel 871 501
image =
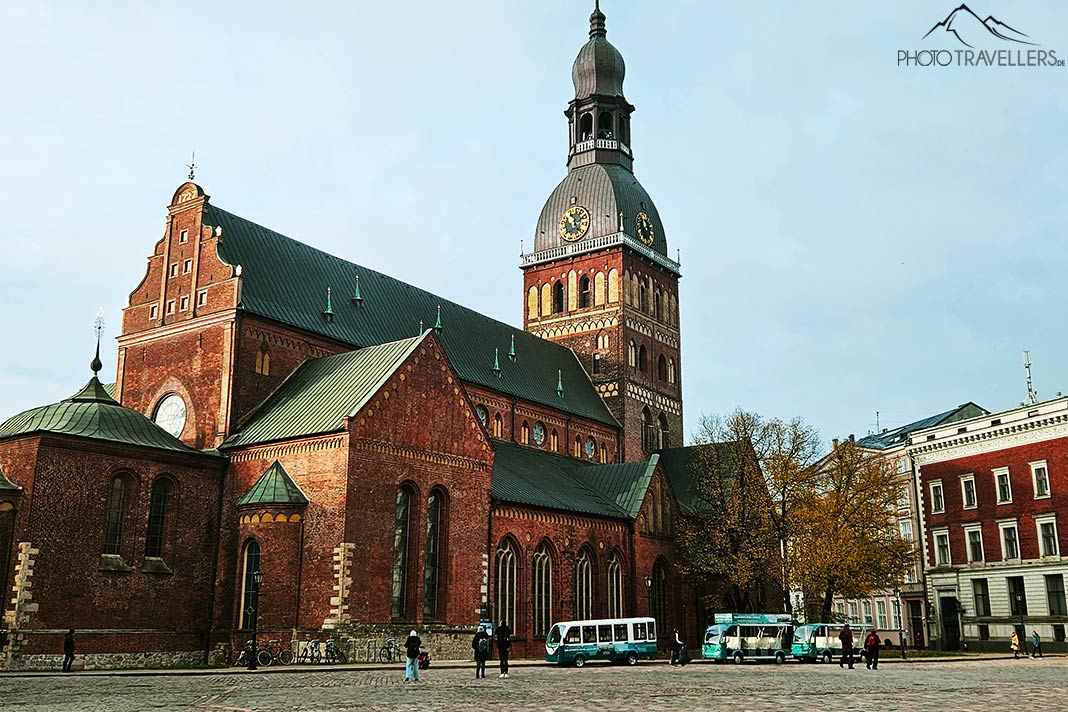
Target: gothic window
pixel 524 433
pixel 648 431
pixel 578 446
pixel 586 127
pixel 624 129
pixel 671 370
pixel 658 306
pixel 432 571
pixel 661 368
pixel 118 496
pixel 673 311
pixel 632 354
pixel 613 285
pixel 546 299
pixel 643 359
pixel 558 297
pixel 602 340
pixel 604 454
pixel 615 587
pixel 498 425
pixel 263 361
pixel 583 586
pixel 596 363
pixel 584 292
pixel 598 289
pixel 505 584
pixel 604 125
pixel 532 303
pixel 157 516
pixel 554 441
pixel 542 590
pixel 643 297
pixel 251 564
pixel 401 521
pixel 658 593
pixel 663 435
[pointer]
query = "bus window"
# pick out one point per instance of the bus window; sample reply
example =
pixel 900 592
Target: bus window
pixel 589 634
pixel 652 630
pixel 621 632
pixel 574 636
pixel 604 634
pixel 639 631
pixel 554 635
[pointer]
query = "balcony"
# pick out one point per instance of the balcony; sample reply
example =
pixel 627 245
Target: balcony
pixel 592 244
pixel 602 143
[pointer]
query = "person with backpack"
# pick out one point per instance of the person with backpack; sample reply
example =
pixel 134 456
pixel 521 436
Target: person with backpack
pixel 871 647
pixel 481 645
pixel 504 643
pixel 411 647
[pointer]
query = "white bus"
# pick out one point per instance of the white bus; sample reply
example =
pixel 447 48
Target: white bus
pixel 748 636
pixel 615 639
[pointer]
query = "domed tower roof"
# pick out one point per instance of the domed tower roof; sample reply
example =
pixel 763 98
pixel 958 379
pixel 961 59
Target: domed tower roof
pixel 599 67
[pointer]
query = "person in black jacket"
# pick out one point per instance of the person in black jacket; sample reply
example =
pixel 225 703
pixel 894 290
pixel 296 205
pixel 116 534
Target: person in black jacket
pixel 481 645
pixel 504 642
pixel 411 647
pixel 68 650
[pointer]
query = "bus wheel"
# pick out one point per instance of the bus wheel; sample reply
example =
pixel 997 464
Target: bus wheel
pixel 780 658
pixel 580 660
pixel 632 658
pixel 827 656
pixel 738 658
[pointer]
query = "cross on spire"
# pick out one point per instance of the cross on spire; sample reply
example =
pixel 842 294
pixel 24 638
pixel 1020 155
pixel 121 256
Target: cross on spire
pixel 193 167
pixel 98 327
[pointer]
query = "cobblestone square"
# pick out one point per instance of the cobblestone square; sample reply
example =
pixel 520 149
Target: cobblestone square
pixel 964 685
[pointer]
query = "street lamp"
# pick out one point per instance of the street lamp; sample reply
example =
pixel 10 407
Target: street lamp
pixel 900 631
pixel 254 611
pixel 1020 610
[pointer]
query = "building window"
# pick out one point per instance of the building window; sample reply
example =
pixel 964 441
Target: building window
pixel 867 612
pixel 880 611
pixel 263 361
pixel 643 359
pixel 583 587
pixel 1001 476
pixel 632 354
pixel 1040 479
pixel 967 490
pixel 661 367
pixel 187 266
pixel 202 298
pixel 643 297
pixel 584 292
pixel 602 341
pixel 663 434
pixel 153 312
pixel 896 612
pixel 1055 595
pixel 984 631
pixel 974 535
pixel 538 433
pixel 524 433
pixel 1047 534
pixel 558 297
pixel 1010 542
pixel 905 526
pixel 591 448
pixel 942 555
pixel 1017 596
pixel 432 573
pixel 903 501
pixel 604 454
pixel 170 306
pixel 554 441
pixel 118 493
pixel 596 364
pixel 671 370
pixel 578 446
pixel 482 414
pixel 157 517
pixel 854 612
pixel 498 425
pixel 648 431
pixel 1058 632
pixel 174 269
pixel 981 594
pixel 658 593
pixel 542 590
pixel 615 588
pixel 401 521
pixel 184 305
pixel 504 582
pixel 248 583
pixel 938 504
pixel 183 236
pixel 840 610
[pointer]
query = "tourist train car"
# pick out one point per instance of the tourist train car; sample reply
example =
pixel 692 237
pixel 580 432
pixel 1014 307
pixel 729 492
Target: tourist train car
pixel 748 636
pixel 615 639
pixel 819 641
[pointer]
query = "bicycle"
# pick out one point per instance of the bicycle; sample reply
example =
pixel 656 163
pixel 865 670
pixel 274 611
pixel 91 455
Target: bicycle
pixel 311 654
pixel 334 654
pixel 391 652
pixel 274 652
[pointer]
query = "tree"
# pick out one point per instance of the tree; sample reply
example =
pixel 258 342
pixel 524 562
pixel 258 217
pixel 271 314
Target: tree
pixel 844 541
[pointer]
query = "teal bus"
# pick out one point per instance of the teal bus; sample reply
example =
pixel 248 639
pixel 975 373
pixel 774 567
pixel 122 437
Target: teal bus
pixel 819 641
pixel 748 636
pixel 616 639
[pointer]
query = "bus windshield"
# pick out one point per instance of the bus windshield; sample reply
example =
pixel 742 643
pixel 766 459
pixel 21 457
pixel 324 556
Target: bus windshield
pixel 803 633
pixel 555 635
pixel 713 634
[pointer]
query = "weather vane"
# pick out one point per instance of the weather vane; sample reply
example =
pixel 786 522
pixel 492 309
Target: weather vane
pixel 192 166
pixel 98 323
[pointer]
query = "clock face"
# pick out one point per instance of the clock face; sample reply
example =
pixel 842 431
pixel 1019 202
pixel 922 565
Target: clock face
pixel 539 433
pixel 644 228
pixel 170 415
pixel 591 447
pixel 483 416
pixel 574 223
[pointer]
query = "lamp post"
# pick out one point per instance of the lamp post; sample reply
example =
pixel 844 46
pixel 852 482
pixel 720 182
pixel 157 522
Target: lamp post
pixel 900 631
pixel 1019 609
pixel 254 611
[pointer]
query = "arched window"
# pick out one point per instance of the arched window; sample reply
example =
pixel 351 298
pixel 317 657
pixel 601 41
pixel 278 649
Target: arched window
pixel 658 594
pixel 524 433
pixel 157 516
pixel 671 370
pixel 604 125
pixel 602 340
pixel 263 361
pixel 251 564
pixel 585 299
pixel 613 285
pixel 643 359
pixel 401 528
pixel 504 583
pixel 615 587
pixel 624 129
pixel 604 454
pixel 578 446
pixel 498 425
pixel 598 289
pixel 656 509
pixel 643 297
pixel 661 368
pixel 648 431
pixel 632 354
pixel 583 586
pixel 657 306
pixel 118 496
pixel 586 127
pixel 532 303
pixel 554 441
pixel 542 590
pixel 558 297
pixel 663 435
pixel 546 299
pixel 433 571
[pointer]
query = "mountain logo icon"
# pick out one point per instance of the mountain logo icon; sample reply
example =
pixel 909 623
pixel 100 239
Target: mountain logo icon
pixel 969 30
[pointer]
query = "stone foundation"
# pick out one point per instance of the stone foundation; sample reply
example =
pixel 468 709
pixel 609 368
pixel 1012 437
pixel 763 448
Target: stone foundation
pixel 110 661
pixel 362 643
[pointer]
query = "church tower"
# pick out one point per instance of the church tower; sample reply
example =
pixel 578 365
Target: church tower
pixel 599 279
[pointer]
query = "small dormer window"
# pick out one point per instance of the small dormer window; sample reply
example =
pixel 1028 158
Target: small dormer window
pixel 187 266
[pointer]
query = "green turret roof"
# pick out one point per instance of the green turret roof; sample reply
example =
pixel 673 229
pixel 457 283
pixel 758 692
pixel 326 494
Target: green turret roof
pixel 274 486
pixel 6 484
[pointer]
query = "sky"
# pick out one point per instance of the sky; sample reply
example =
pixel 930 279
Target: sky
pixel 856 237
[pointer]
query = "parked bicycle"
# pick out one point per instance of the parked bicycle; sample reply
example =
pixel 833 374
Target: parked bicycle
pixel 245 656
pixel 391 652
pixel 273 652
pixel 311 654
pixel 334 654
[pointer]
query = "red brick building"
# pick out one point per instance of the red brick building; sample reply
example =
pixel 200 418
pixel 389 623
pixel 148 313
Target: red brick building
pixel 387 459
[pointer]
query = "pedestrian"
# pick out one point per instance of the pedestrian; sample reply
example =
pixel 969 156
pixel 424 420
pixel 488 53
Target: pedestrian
pixel 411 647
pixel 676 648
pixel 846 638
pixel 1014 645
pixel 1036 644
pixel 871 647
pixel 504 643
pixel 68 650
pixel 481 645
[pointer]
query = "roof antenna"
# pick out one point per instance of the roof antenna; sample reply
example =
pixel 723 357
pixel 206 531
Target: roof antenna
pixel 1031 395
pixel 877 428
pixel 193 166
pixel 98 327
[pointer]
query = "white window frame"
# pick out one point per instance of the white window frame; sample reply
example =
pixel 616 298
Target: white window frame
pixel 202 298
pixel 902 523
pixel 904 499
pixel 1040 464
pixel 941 496
pixel 174 269
pixel 187 266
pixel 866 607
pixel 935 533
pixel 183 236
pixel 880 614
pixel 170 306
pixel 964 493
pixel 968 529
pixel 1041 519
pixel 183 305
pixel 1004 524
pixel 153 311
pixel 998 471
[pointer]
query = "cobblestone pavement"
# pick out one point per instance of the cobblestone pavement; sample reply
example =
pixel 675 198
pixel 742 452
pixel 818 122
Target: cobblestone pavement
pixel 971 685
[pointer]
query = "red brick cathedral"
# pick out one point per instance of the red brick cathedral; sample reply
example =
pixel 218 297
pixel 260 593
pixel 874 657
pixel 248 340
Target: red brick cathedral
pixel 387 459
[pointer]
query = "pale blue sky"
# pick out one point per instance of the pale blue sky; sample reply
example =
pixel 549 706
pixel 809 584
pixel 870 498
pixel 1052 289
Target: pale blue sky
pixel 855 236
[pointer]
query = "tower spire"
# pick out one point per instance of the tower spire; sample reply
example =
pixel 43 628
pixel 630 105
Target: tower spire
pixel 597 19
pixel 98 327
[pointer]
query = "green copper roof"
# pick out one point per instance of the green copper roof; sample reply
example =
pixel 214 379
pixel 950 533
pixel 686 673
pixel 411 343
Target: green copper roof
pixel 6 484
pixel 522 475
pixel 318 396
pixel 284 280
pixel 274 486
pixel 92 413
